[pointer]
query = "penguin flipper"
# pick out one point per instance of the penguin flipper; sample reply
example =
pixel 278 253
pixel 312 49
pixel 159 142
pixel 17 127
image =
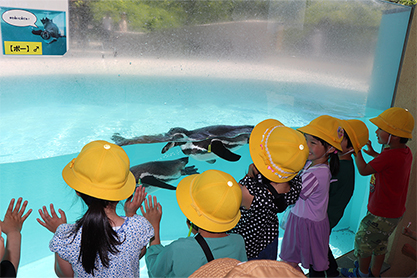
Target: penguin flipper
pixel 167 147
pixel 152 181
pixel 220 150
pixel 37 32
pixel 189 170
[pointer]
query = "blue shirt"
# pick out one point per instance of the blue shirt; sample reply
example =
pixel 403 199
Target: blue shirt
pixel 184 256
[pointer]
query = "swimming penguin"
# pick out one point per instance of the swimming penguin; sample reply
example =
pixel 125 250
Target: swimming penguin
pixel 50 32
pixel 206 143
pixel 155 174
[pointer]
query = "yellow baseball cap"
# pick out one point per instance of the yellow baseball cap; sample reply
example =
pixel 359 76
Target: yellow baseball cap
pixel 326 128
pixel 357 131
pixel 278 152
pixel 396 121
pixel 101 170
pixel 211 200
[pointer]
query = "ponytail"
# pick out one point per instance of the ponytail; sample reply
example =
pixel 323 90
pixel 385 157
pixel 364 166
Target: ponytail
pixel 97 236
pixel 334 163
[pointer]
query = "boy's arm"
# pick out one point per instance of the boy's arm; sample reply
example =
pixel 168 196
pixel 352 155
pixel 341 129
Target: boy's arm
pixel 370 151
pixel 364 168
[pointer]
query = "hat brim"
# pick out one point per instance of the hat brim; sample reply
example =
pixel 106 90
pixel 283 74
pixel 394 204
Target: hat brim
pixel 353 136
pixel 95 191
pixel 379 122
pixel 215 268
pixel 183 193
pixel 255 150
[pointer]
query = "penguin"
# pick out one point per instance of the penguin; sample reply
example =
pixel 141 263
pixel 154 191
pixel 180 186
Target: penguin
pixel 206 143
pixel 50 33
pixel 155 174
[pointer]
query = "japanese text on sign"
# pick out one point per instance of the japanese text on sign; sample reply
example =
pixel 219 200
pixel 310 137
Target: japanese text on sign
pixel 22 48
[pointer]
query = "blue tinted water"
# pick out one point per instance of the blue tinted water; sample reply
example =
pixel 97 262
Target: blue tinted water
pixel 43 130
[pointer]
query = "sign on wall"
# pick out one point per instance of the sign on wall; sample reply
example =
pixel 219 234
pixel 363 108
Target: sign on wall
pixel 33 32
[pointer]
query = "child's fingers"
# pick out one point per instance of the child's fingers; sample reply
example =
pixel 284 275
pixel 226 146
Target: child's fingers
pixel 23 208
pixel 63 216
pixel 160 208
pixel 24 217
pixel 53 213
pixel 40 222
pixel 11 205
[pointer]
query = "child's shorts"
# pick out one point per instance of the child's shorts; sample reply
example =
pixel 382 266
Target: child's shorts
pixel 372 235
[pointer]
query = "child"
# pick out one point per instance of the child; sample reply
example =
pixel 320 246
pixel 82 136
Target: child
pixel 278 153
pixel 356 135
pixel 211 202
pixel 101 243
pixel 390 172
pixel 11 226
pixel 306 236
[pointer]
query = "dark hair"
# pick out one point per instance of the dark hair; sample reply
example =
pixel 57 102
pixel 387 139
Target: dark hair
pixel 334 163
pixel 403 140
pixel 194 226
pixel 98 236
pixel 349 143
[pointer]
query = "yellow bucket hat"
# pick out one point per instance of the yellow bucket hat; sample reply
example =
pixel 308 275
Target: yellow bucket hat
pixel 396 121
pixel 278 152
pixel 357 131
pixel 326 128
pixel 211 200
pixel 101 170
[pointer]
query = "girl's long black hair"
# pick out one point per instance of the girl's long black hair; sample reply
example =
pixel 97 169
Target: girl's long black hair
pixel 334 162
pixel 98 236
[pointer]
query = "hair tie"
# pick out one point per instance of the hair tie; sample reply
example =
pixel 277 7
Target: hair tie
pixel 335 152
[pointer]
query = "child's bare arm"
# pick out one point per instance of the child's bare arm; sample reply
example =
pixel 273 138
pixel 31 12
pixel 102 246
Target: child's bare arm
pixel 11 226
pixel 153 213
pixel 364 168
pixel 370 151
pixel 62 267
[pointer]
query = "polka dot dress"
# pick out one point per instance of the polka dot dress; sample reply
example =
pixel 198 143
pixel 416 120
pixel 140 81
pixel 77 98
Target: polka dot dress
pixel 258 225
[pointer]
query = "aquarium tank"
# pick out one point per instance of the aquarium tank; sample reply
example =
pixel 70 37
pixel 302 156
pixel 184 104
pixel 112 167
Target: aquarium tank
pixel 82 70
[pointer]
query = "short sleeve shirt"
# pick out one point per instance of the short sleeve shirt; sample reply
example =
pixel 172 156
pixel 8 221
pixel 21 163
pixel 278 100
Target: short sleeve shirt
pixel 134 233
pixel 389 185
pixel 184 256
pixel 259 224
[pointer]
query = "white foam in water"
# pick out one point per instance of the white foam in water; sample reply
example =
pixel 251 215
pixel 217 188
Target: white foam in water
pixel 60 116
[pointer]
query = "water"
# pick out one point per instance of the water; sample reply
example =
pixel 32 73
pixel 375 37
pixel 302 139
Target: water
pixel 42 132
pixel 51 107
pixel 69 111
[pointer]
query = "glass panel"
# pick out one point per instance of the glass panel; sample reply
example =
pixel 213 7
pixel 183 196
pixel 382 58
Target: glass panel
pixel 143 67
